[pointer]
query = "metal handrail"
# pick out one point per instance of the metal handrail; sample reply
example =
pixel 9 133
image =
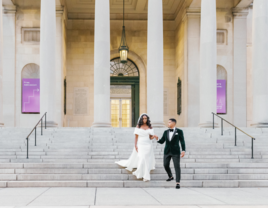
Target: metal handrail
pixel 222 119
pixel 34 129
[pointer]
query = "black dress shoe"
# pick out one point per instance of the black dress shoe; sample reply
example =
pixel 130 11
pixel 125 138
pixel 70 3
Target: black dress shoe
pixel 170 179
pixel 178 186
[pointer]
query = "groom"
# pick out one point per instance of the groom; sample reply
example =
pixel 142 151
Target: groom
pixel 172 137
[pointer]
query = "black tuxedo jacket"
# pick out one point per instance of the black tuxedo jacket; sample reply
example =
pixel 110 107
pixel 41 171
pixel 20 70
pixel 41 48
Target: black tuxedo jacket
pixel 172 146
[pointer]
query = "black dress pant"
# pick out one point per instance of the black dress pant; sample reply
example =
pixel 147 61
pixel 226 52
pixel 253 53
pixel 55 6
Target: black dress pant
pixel 176 162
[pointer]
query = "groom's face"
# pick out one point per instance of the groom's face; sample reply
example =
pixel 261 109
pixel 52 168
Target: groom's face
pixel 171 124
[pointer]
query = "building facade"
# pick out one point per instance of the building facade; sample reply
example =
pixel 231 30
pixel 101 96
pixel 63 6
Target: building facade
pixel 178 49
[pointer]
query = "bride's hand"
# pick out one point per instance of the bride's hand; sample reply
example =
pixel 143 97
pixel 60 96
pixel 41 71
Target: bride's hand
pixel 136 148
pixel 156 137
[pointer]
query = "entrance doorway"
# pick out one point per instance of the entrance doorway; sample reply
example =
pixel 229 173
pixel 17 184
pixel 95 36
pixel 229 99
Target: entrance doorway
pixel 121 112
pixel 124 92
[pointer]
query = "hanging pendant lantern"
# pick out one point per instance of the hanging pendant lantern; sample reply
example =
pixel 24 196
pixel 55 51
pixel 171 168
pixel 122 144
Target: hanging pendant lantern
pixel 123 49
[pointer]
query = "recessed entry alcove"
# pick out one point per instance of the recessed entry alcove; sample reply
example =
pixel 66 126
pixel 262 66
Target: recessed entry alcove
pixel 124 93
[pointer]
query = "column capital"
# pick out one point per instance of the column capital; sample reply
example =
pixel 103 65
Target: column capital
pixel 240 12
pixel 9 9
pixel 191 12
pixel 59 9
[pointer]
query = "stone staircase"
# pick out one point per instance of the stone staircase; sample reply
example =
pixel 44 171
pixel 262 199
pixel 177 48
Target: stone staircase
pixel 84 157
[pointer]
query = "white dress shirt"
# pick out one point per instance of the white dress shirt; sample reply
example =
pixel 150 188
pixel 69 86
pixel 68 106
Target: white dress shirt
pixel 171 134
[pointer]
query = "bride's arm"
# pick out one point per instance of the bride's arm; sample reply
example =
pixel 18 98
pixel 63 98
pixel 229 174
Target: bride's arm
pixel 136 142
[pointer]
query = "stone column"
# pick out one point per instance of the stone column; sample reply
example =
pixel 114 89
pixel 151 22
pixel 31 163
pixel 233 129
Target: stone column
pixel 208 63
pixel 155 59
pixel 1 63
pixel 240 66
pixel 60 64
pixel 48 61
pixel 192 59
pixel 260 63
pixel 102 109
pixel 9 65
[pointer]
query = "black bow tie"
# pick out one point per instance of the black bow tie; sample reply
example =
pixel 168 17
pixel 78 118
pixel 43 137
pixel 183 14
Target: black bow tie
pixel 171 130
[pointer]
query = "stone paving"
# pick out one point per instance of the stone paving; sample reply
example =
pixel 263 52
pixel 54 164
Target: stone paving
pixel 134 197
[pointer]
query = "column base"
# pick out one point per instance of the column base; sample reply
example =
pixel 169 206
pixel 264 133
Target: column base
pixel 101 125
pixel 208 125
pixel 158 125
pixel 50 124
pixel 259 125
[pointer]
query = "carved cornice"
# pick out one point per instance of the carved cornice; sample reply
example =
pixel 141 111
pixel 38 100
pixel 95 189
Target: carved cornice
pixel 191 12
pixel 59 9
pixel 240 12
pixel 9 9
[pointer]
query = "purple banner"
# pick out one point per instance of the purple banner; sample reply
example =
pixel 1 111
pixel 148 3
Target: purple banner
pixel 221 96
pixel 30 95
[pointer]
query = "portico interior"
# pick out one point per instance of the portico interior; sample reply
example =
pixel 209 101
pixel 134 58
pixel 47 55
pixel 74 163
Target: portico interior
pixel 75 21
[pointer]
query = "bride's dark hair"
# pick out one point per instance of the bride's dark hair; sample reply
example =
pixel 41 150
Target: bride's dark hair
pixel 148 123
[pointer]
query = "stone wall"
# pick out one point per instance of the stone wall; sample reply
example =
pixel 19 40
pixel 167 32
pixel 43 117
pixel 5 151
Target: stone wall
pixel 249 68
pixel 9 73
pixel 27 53
pixel 225 56
pixel 79 71
pixel 180 73
pixel 60 66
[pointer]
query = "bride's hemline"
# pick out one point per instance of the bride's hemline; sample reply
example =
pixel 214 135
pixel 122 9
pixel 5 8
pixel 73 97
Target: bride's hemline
pixel 144 179
pixel 133 173
pixel 127 167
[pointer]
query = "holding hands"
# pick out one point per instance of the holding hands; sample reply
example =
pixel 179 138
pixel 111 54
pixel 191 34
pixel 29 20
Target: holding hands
pixel 153 137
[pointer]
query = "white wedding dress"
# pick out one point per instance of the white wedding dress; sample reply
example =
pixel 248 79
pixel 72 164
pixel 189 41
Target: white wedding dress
pixel 144 159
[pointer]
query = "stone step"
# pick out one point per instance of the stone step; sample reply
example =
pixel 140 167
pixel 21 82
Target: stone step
pixel 123 171
pixel 258 158
pixel 112 165
pixel 84 157
pixel 49 177
pixel 116 151
pixel 138 184
pixel 90 159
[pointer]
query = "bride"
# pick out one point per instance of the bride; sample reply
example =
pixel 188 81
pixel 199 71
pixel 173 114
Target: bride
pixel 142 156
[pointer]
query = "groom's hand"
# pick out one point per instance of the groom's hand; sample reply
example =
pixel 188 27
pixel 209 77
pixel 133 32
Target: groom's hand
pixel 182 154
